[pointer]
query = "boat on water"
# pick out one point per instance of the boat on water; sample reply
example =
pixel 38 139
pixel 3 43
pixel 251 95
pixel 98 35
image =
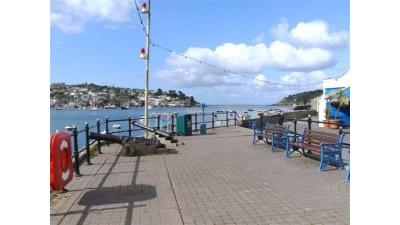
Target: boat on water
pixel 58 108
pixel 110 107
pixel 116 126
pixel 68 128
pixel 273 111
pixel 125 107
pixel 93 109
pixel 301 107
pixel 250 110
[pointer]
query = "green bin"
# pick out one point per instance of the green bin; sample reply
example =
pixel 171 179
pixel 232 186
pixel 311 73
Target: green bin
pixel 184 125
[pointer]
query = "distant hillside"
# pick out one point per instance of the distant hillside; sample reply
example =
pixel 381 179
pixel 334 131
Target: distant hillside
pixel 302 98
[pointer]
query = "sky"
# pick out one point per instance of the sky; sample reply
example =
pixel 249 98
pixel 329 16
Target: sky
pixel 285 42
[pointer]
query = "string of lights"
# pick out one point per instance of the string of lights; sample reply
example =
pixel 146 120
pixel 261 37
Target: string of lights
pixel 244 75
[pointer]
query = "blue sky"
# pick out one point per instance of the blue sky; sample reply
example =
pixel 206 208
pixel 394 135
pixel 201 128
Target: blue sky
pixel 285 41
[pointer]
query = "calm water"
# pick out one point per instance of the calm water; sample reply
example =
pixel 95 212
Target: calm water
pixel 61 118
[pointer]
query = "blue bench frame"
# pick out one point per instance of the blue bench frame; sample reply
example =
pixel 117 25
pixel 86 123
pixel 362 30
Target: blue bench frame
pixel 279 139
pixel 330 152
pixel 257 131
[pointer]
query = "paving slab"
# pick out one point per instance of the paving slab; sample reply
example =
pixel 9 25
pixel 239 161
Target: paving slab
pixel 218 178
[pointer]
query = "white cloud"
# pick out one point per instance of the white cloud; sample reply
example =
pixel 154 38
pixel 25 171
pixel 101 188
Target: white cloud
pixel 71 15
pixel 259 39
pixel 313 33
pixel 304 78
pixel 241 58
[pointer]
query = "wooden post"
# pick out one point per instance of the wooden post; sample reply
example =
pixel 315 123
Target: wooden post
pixel 98 131
pixel 76 151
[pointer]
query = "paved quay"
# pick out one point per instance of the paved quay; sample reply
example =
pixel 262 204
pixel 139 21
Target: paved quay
pixel 220 178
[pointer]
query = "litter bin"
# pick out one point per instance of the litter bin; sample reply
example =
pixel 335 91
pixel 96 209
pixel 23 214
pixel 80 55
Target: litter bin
pixel 203 129
pixel 184 125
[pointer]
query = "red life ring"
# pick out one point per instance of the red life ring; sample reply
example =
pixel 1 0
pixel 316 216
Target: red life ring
pixel 61 171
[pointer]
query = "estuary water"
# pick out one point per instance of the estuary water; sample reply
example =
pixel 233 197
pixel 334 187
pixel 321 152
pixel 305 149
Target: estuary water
pixel 59 119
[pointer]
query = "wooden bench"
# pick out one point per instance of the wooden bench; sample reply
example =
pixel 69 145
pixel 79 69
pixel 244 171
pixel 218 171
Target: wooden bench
pixel 275 135
pixel 327 145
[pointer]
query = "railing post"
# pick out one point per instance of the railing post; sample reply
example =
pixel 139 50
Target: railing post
pixel 227 119
pixel 172 121
pixel 76 151
pixel 235 117
pixel 212 120
pixel 295 126
pixel 158 121
pixel 106 120
pixel 309 121
pixel 87 143
pixel 98 131
pixel 195 121
pixel 130 126
pixel 280 119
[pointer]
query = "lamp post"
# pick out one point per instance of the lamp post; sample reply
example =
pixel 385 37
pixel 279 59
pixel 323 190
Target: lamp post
pixel 145 9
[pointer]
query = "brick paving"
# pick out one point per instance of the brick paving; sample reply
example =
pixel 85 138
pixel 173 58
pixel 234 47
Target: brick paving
pixel 220 178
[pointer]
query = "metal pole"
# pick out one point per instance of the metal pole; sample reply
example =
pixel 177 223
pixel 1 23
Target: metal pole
pixel 227 119
pixel 130 126
pixel 106 120
pixel 309 122
pixel 76 152
pixel 235 117
pixel 295 126
pixel 172 121
pixel 98 131
pixel 87 144
pixel 212 121
pixel 195 121
pixel 146 87
pixel 158 122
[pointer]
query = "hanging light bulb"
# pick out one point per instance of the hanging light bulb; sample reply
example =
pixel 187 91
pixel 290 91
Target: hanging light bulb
pixel 144 8
pixel 143 53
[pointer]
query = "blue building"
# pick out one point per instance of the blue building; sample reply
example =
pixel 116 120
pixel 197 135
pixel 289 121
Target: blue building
pixel 333 88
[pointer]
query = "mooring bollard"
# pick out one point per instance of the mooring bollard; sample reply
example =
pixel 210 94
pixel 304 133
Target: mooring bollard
pixel 130 126
pixel 76 150
pixel 98 131
pixel 87 143
pixel 309 121
pixel 106 121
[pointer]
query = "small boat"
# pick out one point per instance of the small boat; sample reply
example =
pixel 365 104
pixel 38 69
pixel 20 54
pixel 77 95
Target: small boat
pixel 68 128
pixel 125 107
pixel 116 126
pixel 93 109
pixel 58 108
pixel 220 111
pixel 110 107
pixel 250 110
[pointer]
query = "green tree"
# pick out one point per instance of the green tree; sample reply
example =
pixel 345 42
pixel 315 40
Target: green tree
pixel 158 92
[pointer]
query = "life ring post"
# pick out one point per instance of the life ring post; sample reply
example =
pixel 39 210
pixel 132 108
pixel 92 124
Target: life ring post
pixel 76 151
